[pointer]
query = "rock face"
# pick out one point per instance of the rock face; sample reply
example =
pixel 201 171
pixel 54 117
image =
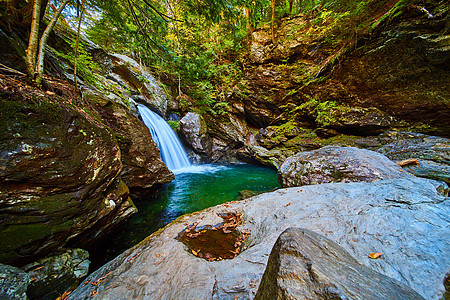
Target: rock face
pixel 130 73
pixel 141 159
pixel 58 178
pixel 337 164
pixel 13 283
pixel 406 219
pixel 52 276
pixel 306 265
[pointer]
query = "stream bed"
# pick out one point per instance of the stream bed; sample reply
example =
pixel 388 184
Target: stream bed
pixel 193 189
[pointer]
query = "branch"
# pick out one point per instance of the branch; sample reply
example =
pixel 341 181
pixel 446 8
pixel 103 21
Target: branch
pixel 164 16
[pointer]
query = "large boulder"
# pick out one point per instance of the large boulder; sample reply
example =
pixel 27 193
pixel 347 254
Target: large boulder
pixel 13 283
pixel 194 132
pixel 405 218
pixel 52 276
pixel 307 265
pixel 59 170
pixel 141 159
pixel 337 164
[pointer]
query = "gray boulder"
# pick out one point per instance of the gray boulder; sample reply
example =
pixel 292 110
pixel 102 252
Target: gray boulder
pixel 13 283
pixel 53 275
pixel 431 152
pixel 337 164
pixel 404 218
pixel 194 132
pixel 306 265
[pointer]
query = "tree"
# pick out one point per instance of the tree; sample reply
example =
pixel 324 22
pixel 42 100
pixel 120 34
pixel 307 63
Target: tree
pixel 36 50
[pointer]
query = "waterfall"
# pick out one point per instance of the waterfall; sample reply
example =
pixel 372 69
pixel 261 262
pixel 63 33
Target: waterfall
pixel 172 152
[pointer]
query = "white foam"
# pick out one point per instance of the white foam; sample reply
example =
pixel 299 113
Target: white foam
pixel 200 169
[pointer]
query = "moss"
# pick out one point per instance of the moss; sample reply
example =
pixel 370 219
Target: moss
pixel 174 124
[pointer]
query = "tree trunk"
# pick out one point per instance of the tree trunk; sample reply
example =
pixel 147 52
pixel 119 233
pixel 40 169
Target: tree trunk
pixel 273 21
pixel 43 42
pixel 76 48
pixel 34 39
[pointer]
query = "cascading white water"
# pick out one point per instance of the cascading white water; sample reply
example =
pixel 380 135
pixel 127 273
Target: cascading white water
pixel 172 152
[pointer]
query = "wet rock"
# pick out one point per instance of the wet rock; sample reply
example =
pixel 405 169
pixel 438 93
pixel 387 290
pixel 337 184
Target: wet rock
pixel 58 178
pixel 142 164
pixel 194 132
pixel 337 164
pixel 405 218
pixel 52 276
pixel 13 283
pixel 307 265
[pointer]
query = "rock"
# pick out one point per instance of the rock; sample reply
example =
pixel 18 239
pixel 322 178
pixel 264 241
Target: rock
pixel 59 170
pixel 402 70
pixel 306 265
pixel 138 79
pixel 404 218
pixel 337 164
pixel 194 132
pixel 287 44
pixel 432 153
pixel 13 283
pixel 359 120
pixel 11 48
pixel 52 276
pixel 141 159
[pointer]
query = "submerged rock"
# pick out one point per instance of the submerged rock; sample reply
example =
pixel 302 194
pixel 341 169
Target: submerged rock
pixel 404 218
pixel 337 164
pixel 13 283
pixel 52 276
pixel 307 265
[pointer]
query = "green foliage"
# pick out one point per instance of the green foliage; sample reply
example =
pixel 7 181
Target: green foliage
pixel 323 112
pixel 86 67
pixel 174 124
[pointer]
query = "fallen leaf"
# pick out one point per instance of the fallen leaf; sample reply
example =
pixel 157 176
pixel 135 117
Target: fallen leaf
pixel 194 252
pixel 38 268
pixel 408 162
pixel 50 93
pixel 375 255
pixel 287 204
pixel 64 296
pixel 158 262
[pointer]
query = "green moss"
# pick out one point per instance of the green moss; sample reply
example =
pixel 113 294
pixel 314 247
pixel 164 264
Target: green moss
pixel 174 124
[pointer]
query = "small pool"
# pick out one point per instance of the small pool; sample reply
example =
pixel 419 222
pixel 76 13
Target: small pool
pixel 193 189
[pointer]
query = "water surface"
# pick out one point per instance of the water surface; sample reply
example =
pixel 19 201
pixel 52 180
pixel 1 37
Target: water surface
pixel 193 189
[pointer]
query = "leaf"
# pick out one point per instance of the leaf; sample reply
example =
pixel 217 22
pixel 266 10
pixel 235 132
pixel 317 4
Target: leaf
pixel 287 204
pixel 408 162
pixel 194 252
pixel 50 93
pixel 375 255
